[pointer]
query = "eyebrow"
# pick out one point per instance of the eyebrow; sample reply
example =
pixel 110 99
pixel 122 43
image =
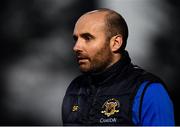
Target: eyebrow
pixel 87 35
pixel 83 35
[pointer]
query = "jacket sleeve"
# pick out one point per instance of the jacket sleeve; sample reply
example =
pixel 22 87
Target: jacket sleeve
pixel 157 107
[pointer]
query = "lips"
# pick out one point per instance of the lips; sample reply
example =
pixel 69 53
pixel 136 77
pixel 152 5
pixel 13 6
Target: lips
pixel 82 61
pixel 81 58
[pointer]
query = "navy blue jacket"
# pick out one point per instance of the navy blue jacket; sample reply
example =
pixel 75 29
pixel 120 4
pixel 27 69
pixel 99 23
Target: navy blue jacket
pixel 107 98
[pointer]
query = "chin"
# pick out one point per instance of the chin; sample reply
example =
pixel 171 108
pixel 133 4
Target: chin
pixel 84 70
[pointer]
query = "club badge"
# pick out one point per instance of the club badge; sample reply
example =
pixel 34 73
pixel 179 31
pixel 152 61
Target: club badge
pixel 110 107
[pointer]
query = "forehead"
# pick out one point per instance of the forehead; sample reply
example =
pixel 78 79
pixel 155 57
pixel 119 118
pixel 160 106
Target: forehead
pixel 90 22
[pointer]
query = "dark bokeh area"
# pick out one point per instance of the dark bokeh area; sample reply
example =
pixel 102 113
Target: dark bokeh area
pixel 35 48
pixel 37 63
pixel 166 53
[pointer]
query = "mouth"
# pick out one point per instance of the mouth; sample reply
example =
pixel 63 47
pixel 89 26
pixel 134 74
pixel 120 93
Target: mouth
pixel 82 59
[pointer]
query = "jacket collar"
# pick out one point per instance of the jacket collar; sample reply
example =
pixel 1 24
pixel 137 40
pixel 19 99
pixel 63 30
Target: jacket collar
pixel 117 68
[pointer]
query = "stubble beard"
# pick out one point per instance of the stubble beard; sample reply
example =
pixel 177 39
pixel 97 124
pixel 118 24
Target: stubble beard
pixel 101 60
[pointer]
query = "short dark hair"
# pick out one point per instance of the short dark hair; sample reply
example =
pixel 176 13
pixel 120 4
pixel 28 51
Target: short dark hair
pixel 116 24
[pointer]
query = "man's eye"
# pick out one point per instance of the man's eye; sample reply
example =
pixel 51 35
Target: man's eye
pixel 87 38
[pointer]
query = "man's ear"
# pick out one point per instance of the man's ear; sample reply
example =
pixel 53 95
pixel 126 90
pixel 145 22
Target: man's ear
pixel 116 42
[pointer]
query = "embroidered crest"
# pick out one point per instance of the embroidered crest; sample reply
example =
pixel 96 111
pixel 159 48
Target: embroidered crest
pixel 75 108
pixel 110 107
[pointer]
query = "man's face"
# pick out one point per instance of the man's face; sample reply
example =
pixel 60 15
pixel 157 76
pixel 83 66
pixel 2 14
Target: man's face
pixel 91 46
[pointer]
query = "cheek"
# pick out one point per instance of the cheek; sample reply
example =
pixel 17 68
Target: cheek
pixel 102 53
pixel 97 48
pixel 95 52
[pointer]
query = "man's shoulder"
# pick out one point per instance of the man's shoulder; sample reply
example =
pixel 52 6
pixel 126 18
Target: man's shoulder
pixel 150 78
pixel 146 76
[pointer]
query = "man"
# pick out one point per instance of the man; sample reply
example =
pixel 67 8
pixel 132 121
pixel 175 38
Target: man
pixel 111 90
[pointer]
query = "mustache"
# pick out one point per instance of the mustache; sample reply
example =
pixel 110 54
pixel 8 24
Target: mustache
pixel 81 56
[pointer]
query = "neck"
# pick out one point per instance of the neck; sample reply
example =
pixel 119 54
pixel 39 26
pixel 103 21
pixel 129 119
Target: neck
pixel 115 59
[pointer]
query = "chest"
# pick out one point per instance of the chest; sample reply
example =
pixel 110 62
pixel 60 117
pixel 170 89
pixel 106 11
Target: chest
pixel 108 105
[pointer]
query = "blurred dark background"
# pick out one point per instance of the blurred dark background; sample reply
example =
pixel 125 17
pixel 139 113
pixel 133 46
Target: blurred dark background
pixel 166 53
pixel 37 63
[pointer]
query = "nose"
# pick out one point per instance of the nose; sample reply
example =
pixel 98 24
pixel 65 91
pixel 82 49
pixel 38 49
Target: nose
pixel 78 46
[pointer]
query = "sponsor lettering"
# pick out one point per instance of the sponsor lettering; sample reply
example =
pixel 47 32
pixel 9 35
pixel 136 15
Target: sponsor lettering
pixel 109 120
